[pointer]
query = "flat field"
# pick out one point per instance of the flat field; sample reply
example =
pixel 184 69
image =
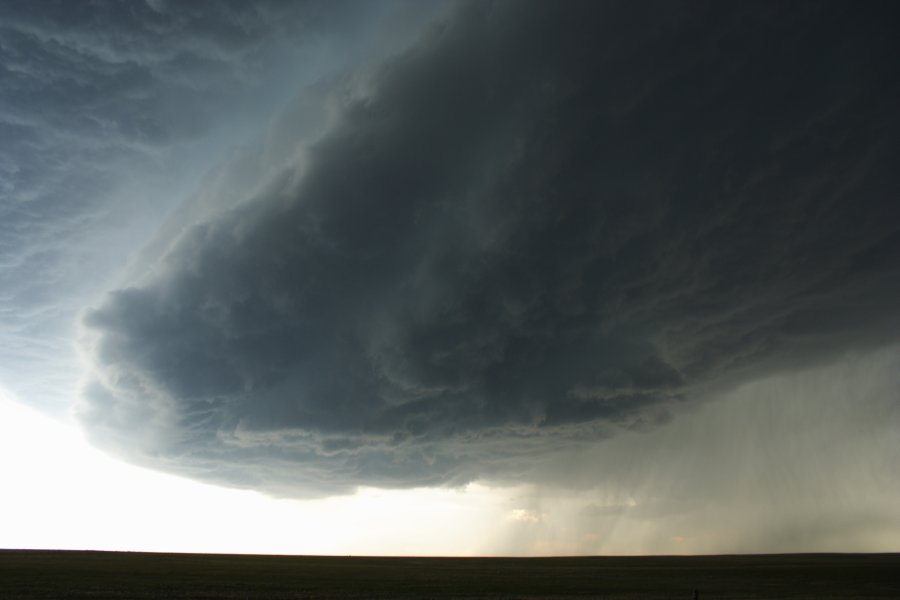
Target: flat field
pixel 99 575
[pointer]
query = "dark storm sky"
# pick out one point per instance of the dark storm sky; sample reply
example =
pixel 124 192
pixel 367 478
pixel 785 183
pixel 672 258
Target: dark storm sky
pixel 528 227
pixel 542 223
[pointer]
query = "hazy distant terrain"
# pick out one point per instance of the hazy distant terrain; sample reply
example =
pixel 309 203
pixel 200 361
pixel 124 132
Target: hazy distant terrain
pixel 45 574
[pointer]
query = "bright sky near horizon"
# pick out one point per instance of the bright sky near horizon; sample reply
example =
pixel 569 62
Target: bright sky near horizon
pixel 450 277
pixel 61 493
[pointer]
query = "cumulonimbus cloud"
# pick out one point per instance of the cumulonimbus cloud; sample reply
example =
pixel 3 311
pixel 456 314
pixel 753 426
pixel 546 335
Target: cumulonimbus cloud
pixel 542 223
pixel 108 111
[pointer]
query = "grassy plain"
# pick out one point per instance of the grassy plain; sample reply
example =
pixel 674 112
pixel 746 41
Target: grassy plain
pixel 103 575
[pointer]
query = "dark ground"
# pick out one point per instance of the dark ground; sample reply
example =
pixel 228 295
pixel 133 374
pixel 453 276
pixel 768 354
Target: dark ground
pixel 97 575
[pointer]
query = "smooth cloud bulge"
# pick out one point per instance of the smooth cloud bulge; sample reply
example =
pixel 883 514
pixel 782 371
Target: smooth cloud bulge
pixel 540 225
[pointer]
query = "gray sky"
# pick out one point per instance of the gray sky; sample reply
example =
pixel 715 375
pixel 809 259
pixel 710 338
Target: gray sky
pixel 648 251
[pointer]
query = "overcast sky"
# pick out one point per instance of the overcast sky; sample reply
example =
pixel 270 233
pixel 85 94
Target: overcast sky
pixel 616 277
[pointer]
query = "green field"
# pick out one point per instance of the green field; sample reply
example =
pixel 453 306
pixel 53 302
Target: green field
pixel 97 575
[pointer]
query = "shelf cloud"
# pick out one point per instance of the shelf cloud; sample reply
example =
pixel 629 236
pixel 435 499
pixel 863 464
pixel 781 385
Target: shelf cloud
pixel 108 113
pixel 539 226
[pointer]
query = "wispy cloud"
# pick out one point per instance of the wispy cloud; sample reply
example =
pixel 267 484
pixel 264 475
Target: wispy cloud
pixel 107 115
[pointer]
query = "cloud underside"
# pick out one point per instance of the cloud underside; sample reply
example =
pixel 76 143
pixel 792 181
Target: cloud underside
pixel 542 224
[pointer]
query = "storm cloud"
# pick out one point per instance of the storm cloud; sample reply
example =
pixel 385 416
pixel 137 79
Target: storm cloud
pixel 542 224
pixel 107 114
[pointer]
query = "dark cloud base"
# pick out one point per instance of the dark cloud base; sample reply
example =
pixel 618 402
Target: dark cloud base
pixel 544 222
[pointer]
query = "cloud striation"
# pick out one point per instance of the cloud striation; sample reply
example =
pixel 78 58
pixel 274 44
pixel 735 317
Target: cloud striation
pixel 107 114
pixel 540 225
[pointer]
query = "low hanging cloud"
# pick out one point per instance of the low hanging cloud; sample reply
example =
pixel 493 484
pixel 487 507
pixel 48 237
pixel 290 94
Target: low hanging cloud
pixel 540 225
